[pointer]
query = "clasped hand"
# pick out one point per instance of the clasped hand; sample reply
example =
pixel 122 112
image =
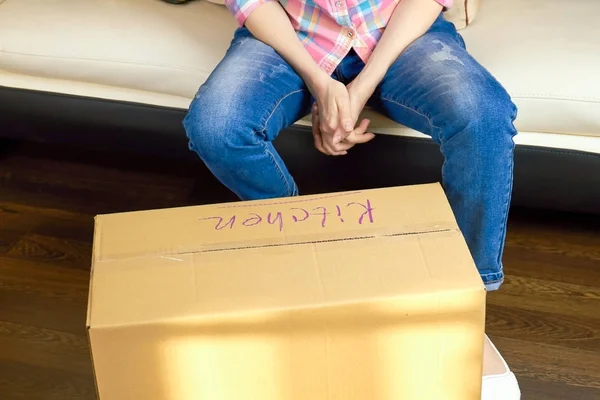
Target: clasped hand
pixel 334 118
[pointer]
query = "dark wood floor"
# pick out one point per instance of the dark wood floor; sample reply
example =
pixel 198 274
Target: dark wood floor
pixel 545 320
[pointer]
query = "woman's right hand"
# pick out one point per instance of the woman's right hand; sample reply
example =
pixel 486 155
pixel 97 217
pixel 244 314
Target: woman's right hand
pixel 335 121
pixel 358 135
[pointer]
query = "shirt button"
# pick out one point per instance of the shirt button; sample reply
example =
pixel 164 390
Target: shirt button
pixel 338 4
pixel 350 33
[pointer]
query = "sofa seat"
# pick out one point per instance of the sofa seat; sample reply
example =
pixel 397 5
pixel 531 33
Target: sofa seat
pixel 144 51
pixel 545 52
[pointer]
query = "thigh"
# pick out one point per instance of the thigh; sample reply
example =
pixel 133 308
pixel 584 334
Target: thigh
pixel 436 82
pixel 252 90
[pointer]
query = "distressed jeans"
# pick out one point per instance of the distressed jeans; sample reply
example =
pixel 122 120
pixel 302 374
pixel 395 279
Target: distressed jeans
pixel 434 87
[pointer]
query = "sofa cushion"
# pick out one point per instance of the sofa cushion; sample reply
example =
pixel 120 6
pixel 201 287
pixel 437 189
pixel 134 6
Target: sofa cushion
pixel 136 50
pixel 545 52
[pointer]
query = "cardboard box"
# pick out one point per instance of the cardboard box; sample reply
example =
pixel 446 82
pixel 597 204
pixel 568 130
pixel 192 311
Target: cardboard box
pixel 365 295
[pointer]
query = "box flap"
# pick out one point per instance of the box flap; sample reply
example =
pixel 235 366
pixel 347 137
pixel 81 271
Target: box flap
pixel 212 262
pixel 401 210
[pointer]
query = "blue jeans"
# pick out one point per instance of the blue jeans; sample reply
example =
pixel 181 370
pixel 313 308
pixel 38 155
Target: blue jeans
pixel 434 87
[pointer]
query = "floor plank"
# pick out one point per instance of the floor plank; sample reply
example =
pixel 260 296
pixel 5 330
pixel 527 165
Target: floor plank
pixel 548 363
pixel 545 319
pixel 44 348
pixel 21 381
pixel 566 331
pixel 548 296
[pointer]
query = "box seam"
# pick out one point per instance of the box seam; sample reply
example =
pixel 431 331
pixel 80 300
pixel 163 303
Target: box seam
pixel 289 244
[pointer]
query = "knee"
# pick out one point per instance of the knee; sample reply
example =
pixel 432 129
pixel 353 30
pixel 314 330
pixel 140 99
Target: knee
pixel 202 129
pixel 214 125
pixel 482 110
pixel 494 107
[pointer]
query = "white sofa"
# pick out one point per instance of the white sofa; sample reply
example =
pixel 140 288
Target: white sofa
pixel 545 52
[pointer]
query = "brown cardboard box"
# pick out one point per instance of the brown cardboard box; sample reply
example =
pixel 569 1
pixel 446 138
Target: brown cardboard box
pixel 366 295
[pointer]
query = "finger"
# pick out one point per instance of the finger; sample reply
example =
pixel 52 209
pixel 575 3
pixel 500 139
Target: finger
pixel 330 147
pixel 359 139
pixel 345 116
pixel 347 143
pixel 359 135
pixel 333 150
pixel 319 141
pixel 363 126
pixel 317 132
pixel 329 124
pixel 344 146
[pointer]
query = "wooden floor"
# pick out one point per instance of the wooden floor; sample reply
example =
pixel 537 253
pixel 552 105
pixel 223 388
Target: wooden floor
pixel 545 320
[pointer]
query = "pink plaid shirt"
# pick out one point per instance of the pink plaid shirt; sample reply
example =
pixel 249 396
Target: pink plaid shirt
pixel 329 29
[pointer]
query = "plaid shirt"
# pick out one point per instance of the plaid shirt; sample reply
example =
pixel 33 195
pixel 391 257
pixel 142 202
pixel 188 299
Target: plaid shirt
pixel 329 29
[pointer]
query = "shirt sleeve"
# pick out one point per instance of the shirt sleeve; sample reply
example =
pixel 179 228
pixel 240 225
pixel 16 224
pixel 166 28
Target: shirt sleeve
pixel 446 3
pixel 241 9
